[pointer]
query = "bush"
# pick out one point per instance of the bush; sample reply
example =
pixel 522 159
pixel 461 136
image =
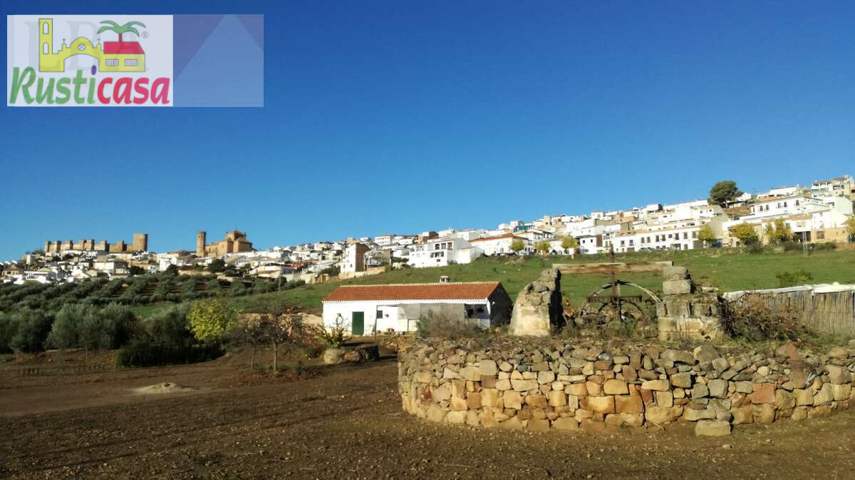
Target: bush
pixel 792 246
pixel 792 279
pixel 333 336
pixel 751 318
pixel 440 325
pixel 754 248
pixel 827 247
pixel 169 327
pixel 144 353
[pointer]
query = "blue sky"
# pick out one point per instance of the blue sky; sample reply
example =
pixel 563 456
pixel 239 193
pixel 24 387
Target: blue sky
pixel 405 116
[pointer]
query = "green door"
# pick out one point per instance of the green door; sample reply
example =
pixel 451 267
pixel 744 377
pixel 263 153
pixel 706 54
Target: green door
pixel 358 323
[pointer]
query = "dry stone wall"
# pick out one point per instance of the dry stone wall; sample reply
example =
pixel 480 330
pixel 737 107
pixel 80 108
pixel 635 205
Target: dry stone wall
pixel 594 388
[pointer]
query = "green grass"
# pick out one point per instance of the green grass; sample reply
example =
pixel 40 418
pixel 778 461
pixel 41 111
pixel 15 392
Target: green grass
pixel 727 269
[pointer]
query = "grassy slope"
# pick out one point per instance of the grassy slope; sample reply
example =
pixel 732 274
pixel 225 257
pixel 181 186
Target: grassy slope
pixel 726 269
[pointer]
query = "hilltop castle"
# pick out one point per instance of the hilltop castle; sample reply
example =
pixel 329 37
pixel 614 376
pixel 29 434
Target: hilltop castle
pixel 235 242
pixel 140 244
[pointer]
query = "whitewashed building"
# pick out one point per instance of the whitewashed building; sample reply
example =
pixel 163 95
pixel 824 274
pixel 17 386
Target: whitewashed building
pixel 501 244
pixel 366 309
pixel 442 252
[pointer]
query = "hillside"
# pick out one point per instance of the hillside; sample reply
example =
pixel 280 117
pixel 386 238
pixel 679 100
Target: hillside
pixel 726 269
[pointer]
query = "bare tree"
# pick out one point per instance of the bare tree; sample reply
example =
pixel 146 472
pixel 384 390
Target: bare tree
pixel 280 329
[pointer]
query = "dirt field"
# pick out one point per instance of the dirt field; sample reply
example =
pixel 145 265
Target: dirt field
pixel 347 423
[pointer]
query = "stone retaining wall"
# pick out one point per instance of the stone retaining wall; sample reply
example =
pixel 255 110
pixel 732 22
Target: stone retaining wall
pixel 592 388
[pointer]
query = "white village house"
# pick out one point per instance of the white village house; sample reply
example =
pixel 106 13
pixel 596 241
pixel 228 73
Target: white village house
pixel 443 252
pixel 501 244
pixel 398 308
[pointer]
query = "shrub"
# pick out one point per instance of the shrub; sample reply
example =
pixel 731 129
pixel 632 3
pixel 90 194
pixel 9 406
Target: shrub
pixel 819 247
pixel 792 279
pixel 144 353
pixel 169 327
pixel 332 336
pixel 440 325
pixel 754 248
pixel 752 318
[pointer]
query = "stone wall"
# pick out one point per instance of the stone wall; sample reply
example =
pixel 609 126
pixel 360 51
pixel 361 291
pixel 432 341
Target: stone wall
pixel 538 306
pixel 515 385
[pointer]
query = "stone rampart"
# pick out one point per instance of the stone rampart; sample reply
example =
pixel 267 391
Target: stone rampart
pixel 518 385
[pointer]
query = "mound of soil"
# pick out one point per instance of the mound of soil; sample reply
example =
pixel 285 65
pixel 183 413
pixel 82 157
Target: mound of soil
pixel 162 388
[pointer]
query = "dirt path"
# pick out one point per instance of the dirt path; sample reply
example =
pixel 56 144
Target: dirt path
pixel 348 424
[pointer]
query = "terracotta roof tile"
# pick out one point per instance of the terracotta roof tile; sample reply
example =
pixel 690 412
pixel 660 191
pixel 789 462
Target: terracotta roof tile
pixel 416 291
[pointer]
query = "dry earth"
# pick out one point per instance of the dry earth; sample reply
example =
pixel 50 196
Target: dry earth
pixel 347 423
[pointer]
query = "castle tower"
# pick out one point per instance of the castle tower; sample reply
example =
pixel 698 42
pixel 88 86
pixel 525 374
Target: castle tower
pixel 47 247
pixel 140 242
pixel 200 244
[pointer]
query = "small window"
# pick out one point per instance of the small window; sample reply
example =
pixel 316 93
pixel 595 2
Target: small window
pixel 131 63
pixel 45 48
pixel 45 28
pixel 112 62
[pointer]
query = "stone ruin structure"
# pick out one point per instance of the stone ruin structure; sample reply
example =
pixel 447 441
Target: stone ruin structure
pixel 600 389
pixel 543 384
pixel 538 306
pixel 685 312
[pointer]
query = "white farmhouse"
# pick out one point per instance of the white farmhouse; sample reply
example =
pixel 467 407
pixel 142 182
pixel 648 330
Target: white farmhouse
pixel 366 309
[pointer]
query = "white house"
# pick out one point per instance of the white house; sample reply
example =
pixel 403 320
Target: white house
pixel 590 244
pixel 501 244
pixel 442 252
pixel 786 191
pixel 840 186
pixel 384 240
pixel 365 309
pixel 810 219
pixel 353 259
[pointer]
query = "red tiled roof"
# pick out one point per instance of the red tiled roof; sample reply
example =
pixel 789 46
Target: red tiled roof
pixel 416 291
pixel 123 47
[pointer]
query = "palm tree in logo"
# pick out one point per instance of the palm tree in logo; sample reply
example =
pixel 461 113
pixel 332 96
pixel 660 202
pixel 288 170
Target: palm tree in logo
pixel 126 28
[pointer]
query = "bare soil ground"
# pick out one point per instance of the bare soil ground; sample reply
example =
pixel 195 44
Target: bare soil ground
pixel 347 423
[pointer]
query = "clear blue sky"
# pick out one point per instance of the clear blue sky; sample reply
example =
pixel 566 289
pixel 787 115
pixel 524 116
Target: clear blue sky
pixel 401 116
